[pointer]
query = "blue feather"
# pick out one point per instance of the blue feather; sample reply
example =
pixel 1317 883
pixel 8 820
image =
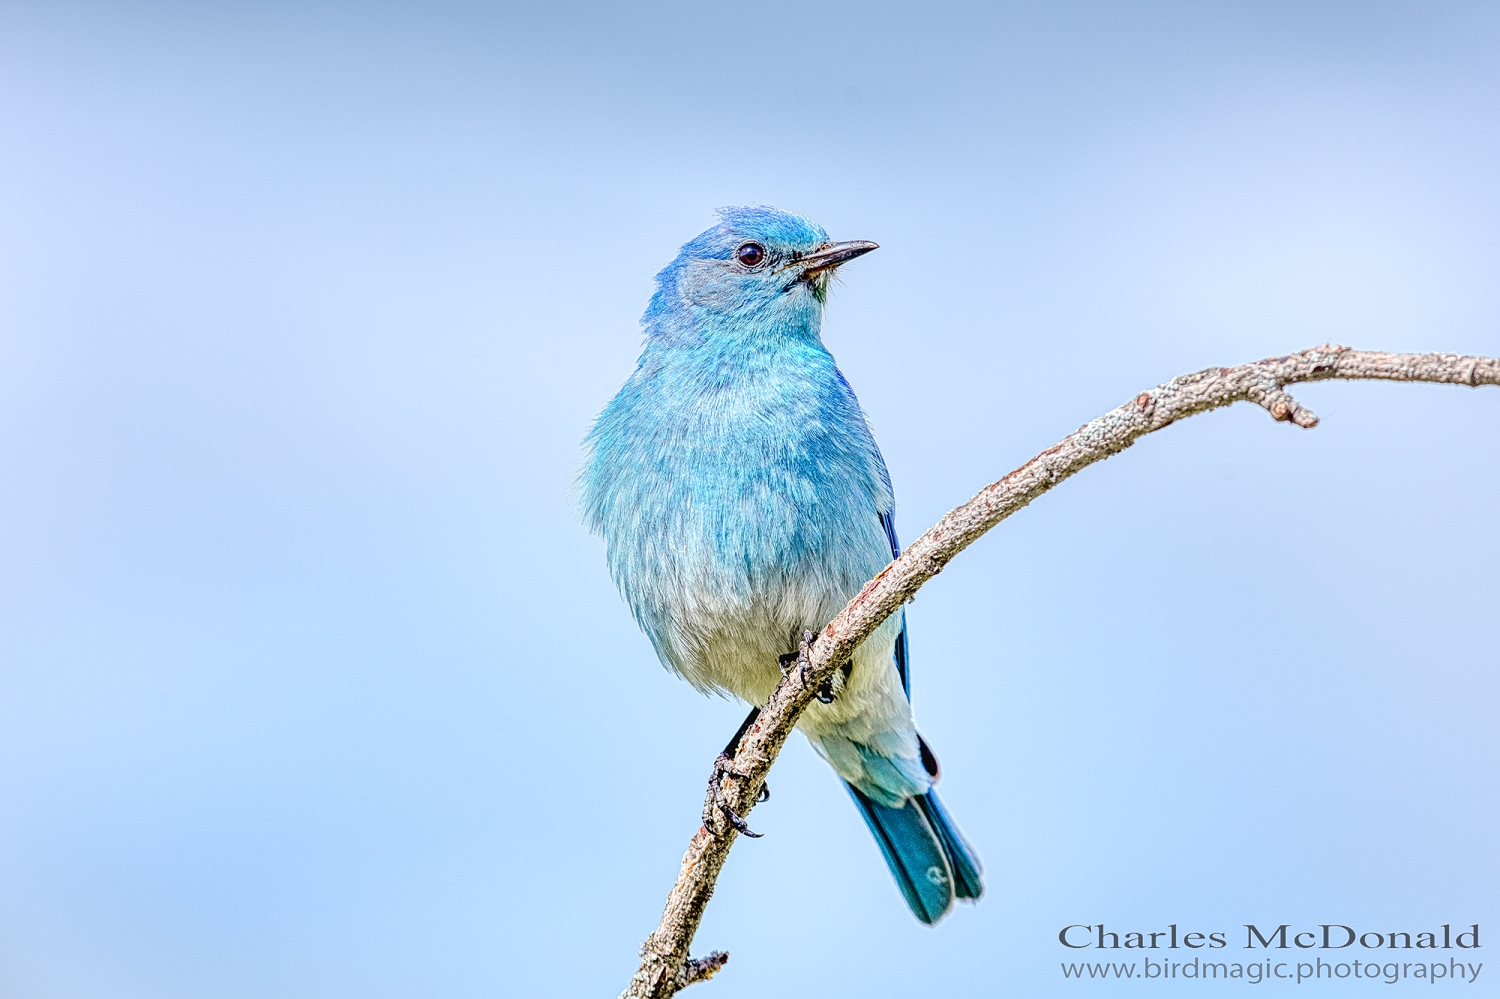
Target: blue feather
pixel 743 500
pixel 931 861
pixel 913 852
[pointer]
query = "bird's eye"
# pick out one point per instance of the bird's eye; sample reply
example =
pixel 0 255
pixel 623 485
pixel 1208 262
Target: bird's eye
pixel 750 254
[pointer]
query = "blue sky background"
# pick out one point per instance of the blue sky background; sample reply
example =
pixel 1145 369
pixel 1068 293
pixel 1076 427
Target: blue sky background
pixel 311 685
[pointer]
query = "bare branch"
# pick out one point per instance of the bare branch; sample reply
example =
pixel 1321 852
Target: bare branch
pixel 665 967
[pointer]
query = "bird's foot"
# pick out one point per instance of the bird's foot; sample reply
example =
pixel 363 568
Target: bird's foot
pixel 830 688
pixel 715 804
pixel 802 661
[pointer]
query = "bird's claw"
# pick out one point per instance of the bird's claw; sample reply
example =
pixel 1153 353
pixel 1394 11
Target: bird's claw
pixel 738 821
pixel 715 804
pixel 801 660
pixel 831 688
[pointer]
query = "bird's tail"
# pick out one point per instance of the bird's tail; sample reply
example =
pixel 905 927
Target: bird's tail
pixel 928 856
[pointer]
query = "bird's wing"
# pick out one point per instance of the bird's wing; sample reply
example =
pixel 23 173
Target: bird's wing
pixel 888 521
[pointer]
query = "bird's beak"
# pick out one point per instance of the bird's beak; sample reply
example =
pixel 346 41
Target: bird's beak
pixel 828 257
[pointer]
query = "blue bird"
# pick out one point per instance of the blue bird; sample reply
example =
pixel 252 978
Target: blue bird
pixel 743 501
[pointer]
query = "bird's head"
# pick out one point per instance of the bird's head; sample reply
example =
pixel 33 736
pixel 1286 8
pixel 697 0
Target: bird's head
pixel 758 264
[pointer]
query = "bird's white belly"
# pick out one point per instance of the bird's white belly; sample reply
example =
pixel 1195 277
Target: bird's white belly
pixel 737 650
pixel 735 646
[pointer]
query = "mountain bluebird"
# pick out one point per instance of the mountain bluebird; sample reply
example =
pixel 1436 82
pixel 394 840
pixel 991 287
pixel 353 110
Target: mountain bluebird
pixel 743 500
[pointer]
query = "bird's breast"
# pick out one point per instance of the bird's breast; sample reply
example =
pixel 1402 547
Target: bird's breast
pixel 741 512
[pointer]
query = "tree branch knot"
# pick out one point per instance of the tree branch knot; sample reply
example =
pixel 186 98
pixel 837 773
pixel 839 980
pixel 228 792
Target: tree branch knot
pixel 701 969
pixel 1269 394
